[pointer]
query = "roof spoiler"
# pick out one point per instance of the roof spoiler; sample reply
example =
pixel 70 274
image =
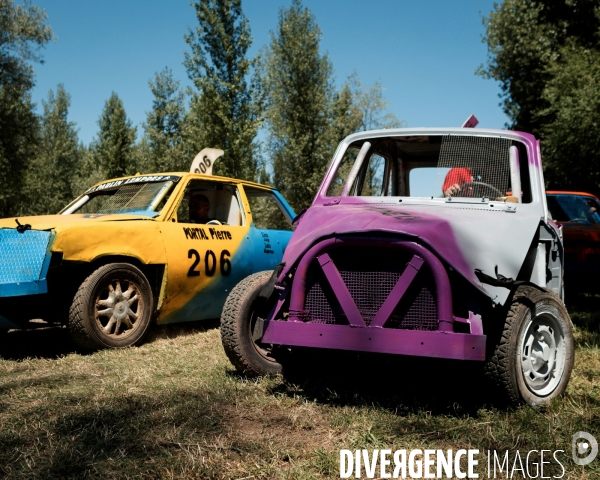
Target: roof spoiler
pixel 204 161
pixel 470 122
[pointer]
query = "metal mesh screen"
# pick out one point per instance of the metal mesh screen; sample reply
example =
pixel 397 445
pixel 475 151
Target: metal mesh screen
pixel 22 255
pixel 131 198
pixel 486 158
pixel 370 276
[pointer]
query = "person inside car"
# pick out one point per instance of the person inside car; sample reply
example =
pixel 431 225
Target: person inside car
pixel 455 179
pixel 199 207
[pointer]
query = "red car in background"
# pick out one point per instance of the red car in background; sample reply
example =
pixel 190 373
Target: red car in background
pixel 579 215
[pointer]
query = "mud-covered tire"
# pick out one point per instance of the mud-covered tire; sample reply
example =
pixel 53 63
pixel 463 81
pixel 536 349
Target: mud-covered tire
pixel 237 323
pixel 533 355
pixel 112 308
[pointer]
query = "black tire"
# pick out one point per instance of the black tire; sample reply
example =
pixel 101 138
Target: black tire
pixel 112 308
pixel 533 356
pixel 237 322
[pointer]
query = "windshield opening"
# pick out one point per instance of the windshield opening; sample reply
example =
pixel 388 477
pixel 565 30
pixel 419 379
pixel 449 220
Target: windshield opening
pixel 440 166
pixel 136 198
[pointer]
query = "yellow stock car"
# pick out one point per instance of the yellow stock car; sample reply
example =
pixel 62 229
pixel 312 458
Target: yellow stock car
pixel 131 251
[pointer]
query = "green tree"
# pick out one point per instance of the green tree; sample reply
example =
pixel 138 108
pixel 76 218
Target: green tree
pixel 23 32
pixel 52 169
pixel 346 115
pixel 546 56
pixel 163 142
pixel 372 105
pixel 570 124
pixel 297 79
pixel 225 109
pixel 114 147
pixel 524 38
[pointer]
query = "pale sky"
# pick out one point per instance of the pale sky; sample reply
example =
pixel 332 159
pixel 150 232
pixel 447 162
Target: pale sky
pixel 424 53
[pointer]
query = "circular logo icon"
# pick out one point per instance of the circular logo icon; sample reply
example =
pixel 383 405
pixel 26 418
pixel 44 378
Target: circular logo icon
pixel 585 448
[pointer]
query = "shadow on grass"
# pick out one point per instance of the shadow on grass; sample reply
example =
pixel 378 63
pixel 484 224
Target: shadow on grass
pixel 47 342
pixel 399 384
pixel 126 436
pixel 54 341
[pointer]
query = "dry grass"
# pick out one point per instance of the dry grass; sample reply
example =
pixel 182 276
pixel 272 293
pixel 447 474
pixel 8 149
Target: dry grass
pixel 175 408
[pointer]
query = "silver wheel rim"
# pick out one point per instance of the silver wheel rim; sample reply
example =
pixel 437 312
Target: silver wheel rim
pixel 117 311
pixel 542 353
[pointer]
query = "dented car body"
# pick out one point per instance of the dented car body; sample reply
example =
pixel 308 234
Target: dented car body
pixel 129 252
pixel 422 242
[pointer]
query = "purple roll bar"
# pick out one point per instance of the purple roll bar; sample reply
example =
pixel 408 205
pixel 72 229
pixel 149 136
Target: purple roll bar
pixel 442 283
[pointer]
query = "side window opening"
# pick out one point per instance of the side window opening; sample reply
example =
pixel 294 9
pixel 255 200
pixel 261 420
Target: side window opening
pixel 336 185
pixel 210 201
pixel 375 178
pixel 267 213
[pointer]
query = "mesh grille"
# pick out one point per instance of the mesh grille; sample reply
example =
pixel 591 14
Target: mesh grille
pixel 487 158
pixel 370 276
pixel 131 198
pixel 22 255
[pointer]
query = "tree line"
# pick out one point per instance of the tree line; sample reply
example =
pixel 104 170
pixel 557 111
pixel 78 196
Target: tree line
pixel 546 56
pixel 287 90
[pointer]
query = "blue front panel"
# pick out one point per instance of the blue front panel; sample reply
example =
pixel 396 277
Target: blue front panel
pixel 24 262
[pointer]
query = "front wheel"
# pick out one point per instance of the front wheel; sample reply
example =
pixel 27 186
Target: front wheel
pixel 533 359
pixel 238 321
pixel 112 308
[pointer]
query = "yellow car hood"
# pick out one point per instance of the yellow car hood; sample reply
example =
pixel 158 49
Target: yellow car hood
pixel 60 222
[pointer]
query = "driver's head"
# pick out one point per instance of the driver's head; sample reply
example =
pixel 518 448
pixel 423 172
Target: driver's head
pixel 198 208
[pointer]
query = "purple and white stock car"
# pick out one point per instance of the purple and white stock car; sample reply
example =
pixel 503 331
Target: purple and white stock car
pixel 420 242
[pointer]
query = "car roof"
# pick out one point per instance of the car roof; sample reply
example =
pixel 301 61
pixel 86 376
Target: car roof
pixel 194 175
pixel 569 192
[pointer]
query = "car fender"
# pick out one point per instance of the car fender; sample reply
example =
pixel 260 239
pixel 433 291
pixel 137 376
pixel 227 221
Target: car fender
pixel 140 239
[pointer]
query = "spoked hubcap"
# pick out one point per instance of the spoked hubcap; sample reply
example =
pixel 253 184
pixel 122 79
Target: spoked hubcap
pixel 117 311
pixel 542 354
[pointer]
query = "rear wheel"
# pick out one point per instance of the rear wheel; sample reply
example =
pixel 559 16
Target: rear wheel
pixel 112 308
pixel 533 358
pixel 238 321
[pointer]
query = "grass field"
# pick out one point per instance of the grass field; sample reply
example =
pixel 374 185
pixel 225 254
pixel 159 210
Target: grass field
pixel 175 408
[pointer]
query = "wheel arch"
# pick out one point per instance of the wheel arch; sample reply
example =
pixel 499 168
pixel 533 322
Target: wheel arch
pixel 65 276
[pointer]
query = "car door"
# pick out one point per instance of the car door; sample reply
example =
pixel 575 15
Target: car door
pixel 205 261
pixel 271 227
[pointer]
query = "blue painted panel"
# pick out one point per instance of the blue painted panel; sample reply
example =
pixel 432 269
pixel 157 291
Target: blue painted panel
pixel 269 246
pixel 208 302
pixel 24 261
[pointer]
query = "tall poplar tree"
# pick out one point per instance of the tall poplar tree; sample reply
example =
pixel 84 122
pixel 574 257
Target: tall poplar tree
pixel 524 38
pixel 225 109
pixel 163 142
pixel 23 32
pixel 297 78
pixel 114 147
pixel 57 158
pixel 546 56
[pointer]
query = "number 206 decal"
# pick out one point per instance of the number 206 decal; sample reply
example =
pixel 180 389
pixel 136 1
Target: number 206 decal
pixel 210 263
